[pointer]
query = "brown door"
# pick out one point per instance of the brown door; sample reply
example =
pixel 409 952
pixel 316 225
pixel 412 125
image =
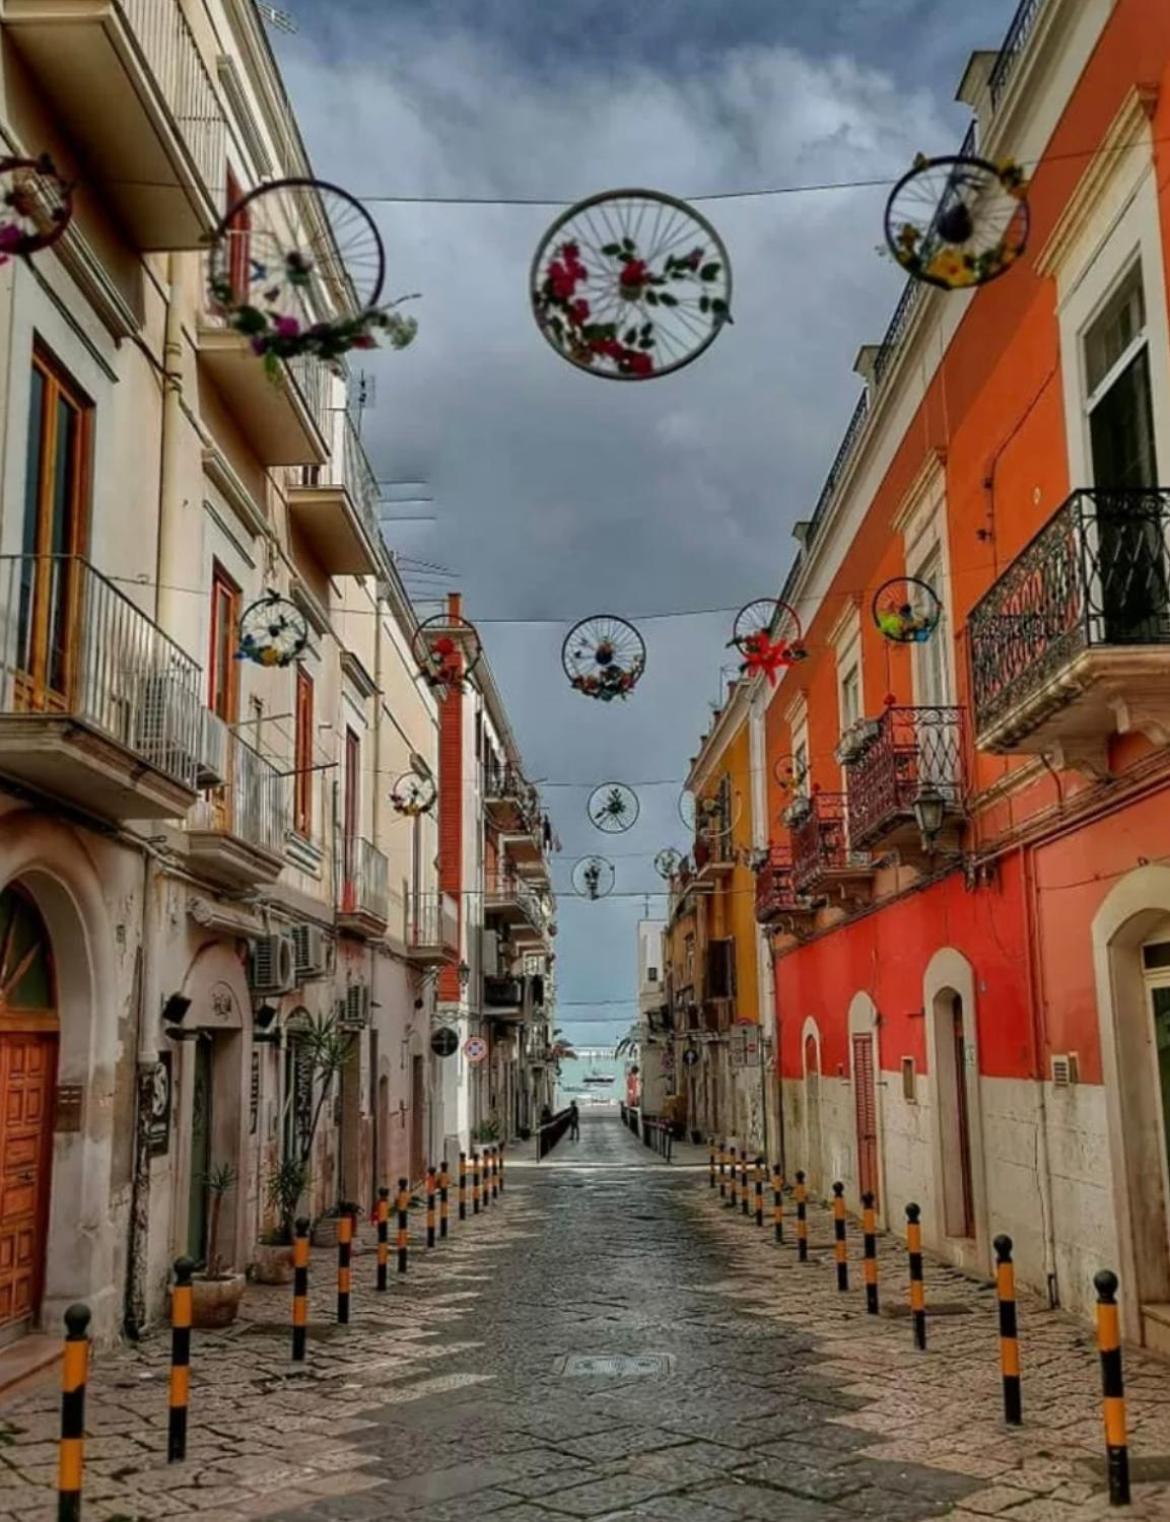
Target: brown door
pixel 962 1118
pixel 865 1102
pixel 351 818
pixel 418 1115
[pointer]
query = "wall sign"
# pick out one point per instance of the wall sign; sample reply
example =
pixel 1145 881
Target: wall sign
pixel 444 1042
pixel 254 1094
pixel 690 1056
pixel 159 1125
pixel 475 1048
pixel 70 1099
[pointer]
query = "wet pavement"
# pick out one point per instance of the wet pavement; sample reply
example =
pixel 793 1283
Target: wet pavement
pixel 604 1342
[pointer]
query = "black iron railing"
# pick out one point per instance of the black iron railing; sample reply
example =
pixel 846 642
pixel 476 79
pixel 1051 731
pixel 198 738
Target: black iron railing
pixel 551 1132
pixel 1023 24
pixel 912 748
pixel 775 894
pixel 820 842
pixel 1097 573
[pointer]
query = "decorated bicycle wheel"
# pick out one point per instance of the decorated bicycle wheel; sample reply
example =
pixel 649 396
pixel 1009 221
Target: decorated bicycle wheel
pixel 593 877
pixel 787 774
pixel 412 795
pixel 667 862
pixel 767 635
pixel 36 205
pixel 272 631
pixel 958 221
pixel 604 657
pixel 631 284
pixel 906 611
pixel 297 267
pixel 446 650
pixel 613 807
pixel 709 818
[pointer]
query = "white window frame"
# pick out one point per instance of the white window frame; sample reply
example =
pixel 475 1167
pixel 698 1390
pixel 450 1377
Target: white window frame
pixel 924 538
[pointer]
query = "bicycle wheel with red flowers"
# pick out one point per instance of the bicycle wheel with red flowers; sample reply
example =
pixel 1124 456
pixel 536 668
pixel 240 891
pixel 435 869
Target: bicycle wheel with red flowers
pixel 36 205
pixel 446 650
pixel 958 221
pixel 631 284
pixel 906 610
pixel 767 634
pixel 604 657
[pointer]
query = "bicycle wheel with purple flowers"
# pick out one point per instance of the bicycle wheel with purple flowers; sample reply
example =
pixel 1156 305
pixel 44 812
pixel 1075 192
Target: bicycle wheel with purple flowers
pixel 36 205
pixel 604 657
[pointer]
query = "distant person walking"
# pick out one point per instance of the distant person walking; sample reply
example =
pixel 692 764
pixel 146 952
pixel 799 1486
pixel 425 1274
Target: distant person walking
pixel 574 1122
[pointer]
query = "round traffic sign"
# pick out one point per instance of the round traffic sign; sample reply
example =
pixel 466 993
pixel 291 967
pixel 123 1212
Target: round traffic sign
pixel 444 1042
pixel 690 1056
pixel 475 1048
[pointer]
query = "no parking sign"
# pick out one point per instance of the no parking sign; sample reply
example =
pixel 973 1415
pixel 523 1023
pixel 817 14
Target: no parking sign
pixel 475 1048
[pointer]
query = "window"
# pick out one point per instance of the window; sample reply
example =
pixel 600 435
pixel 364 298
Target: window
pixel 352 816
pixel 850 696
pixel 932 672
pixel 652 975
pixel 240 233
pixel 800 766
pixel 303 756
pixel 222 666
pixel 1117 379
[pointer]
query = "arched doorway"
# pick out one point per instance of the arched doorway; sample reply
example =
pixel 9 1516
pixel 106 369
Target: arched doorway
pixel 28 1074
pixel 954 1114
pixel 863 1043
pixel 812 1107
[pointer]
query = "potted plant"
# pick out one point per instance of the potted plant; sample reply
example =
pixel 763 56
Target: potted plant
pixel 218 1289
pixel 272 1257
pixel 486 1133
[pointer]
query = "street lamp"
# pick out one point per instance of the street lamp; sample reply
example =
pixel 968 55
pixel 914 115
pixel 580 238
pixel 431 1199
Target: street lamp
pixel 929 811
pixel 464 975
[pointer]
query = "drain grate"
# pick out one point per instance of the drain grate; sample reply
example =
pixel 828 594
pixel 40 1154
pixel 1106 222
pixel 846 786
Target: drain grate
pixel 616 1365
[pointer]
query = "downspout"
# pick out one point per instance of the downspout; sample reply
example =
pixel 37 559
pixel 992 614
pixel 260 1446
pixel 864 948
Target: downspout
pixel 169 455
pixel 1043 1156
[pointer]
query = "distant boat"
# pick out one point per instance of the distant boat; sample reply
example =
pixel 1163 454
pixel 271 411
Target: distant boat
pixel 598 1078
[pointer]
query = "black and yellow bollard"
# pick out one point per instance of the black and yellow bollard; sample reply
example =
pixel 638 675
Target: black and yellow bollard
pixel 745 1208
pixel 344 1260
pixel 383 1237
pixel 300 1289
pixel 495 1173
pixel 463 1186
pixel 801 1194
pixel 475 1183
pixel 778 1203
pixel 733 1195
pixel 1112 1387
pixel 180 1386
pixel 722 1172
pixel 917 1284
pixel 485 1179
pixel 71 1455
pixel 403 1240
pixel 431 1187
pixel 444 1199
pixel 869 1237
pixel 840 1248
pixel 1009 1337
pixel 760 1192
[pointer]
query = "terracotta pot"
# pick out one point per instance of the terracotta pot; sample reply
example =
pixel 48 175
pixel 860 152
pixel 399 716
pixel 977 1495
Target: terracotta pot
pixel 325 1231
pixel 272 1263
pixel 216 1302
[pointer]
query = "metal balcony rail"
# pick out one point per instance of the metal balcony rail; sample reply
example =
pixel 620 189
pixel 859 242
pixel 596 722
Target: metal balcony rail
pixel 775 894
pixel 1097 574
pixel 252 808
pixel 912 747
pixel 820 842
pixel 365 882
pixel 170 51
pixel 432 919
pixel 506 887
pixel 507 784
pixel 72 644
pixel 1022 26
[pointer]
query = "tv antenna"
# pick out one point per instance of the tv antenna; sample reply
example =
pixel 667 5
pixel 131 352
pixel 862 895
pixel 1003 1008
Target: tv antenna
pixel 275 17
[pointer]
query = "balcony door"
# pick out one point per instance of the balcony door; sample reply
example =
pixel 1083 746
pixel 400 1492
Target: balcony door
pixel 350 820
pixel 223 682
pixel 56 498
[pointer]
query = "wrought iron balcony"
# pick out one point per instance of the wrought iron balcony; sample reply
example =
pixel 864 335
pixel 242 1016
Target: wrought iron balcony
pixel 822 859
pixel 335 506
pixel 509 898
pixel 236 834
pixel 909 749
pixel 364 908
pixel 776 897
pixel 1018 35
pixel 432 928
pixel 97 705
pixel 1072 643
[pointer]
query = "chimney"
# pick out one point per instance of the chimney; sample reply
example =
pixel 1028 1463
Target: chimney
pixel 454 606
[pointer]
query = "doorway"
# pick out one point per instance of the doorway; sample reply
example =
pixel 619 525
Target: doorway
pixel 812 1112
pixel 417 1119
pixel 951 1049
pixel 201 1121
pixel 865 1103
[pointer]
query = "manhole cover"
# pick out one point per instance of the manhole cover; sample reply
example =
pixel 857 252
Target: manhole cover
pixel 617 1365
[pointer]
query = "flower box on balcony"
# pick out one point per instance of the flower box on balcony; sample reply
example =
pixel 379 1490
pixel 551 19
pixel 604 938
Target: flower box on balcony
pixel 797 812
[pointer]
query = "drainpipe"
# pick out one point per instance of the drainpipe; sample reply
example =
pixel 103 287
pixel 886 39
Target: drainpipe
pixel 1043 1156
pixel 170 463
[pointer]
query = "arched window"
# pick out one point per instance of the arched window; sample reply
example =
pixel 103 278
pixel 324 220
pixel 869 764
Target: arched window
pixel 26 964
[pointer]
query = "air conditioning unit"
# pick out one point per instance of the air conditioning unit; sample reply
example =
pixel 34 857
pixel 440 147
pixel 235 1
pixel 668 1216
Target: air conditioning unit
pixel 211 767
pixel 311 951
pixel 273 964
pixel 353 1012
pixel 166 724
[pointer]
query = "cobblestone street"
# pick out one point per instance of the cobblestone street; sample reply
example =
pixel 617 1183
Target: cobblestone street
pixel 481 1386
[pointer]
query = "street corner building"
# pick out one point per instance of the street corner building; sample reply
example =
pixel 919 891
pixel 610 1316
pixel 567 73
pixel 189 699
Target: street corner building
pixel 240 902
pixel 956 802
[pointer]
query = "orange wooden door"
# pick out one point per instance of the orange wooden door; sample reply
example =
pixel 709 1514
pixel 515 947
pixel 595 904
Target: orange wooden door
pixel 865 1101
pixel 28 1065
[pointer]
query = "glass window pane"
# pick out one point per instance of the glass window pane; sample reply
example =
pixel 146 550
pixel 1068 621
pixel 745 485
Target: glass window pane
pixel 1122 322
pixel 1121 429
pixel 32 497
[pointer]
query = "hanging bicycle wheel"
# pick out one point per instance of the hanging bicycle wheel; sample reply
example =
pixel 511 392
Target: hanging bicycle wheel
pixel 36 205
pixel 667 862
pixel 446 651
pixel 709 818
pixel 958 221
pixel 768 636
pixel 613 808
pixel 593 877
pixel 789 778
pixel 272 631
pixel 412 795
pixel 604 657
pixel 631 284
pixel 906 610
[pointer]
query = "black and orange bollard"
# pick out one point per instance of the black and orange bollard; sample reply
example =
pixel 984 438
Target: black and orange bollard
pixel 1009 1337
pixel 760 1192
pixel 801 1194
pixel 475 1183
pixel 917 1284
pixel 722 1172
pixel 733 1195
pixel 300 1289
pixel 383 1237
pixel 485 1179
pixel 344 1260
pixel 431 1187
pixel 1112 1387
pixel 444 1199
pixel 74 1371
pixel 495 1173
pixel 869 1238
pixel 180 1386
pixel 745 1208
pixel 463 1186
pixel 778 1203
pixel 840 1248
pixel 403 1204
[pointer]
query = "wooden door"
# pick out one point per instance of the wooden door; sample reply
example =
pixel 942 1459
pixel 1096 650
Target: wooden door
pixel 28 1064
pixel 417 1119
pixel 197 1207
pixel 963 1119
pixel 865 1103
pixel 812 1104
pixel 350 821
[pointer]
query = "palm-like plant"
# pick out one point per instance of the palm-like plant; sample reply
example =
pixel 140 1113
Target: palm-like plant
pixel 630 1045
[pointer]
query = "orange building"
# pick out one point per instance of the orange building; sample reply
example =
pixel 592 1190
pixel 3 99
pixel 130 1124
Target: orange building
pixel 968 890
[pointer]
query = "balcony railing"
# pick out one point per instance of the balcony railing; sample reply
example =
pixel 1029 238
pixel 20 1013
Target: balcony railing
pixel 503 889
pixel 505 785
pixel 72 645
pixel 170 50
pixel 252 808
pixel 820 844
pixel 1021 29
pixel 776 894
pixel 365 883
pixel 432 924
pixel 1097 575
pixel 911 749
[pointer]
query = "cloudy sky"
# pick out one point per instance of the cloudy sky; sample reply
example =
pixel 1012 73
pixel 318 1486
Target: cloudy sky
pixel 557 494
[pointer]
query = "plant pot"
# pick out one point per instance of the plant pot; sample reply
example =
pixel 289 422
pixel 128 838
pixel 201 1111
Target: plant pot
pixel 325 1231
pixel 216 1302
pixel 272 1263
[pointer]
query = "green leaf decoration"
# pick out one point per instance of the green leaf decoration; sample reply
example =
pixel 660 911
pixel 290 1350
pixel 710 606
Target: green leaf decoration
pixel 704 303
pixel 647 329
pixel 629 335
pixel 645 343
pixel 653 298
pixel 710 272
pixel 668 300
pixel 629 245
pixel 611 249
pixel 719 307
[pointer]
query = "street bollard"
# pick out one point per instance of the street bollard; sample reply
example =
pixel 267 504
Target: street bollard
pixel 778 1202
pixel 1112 1387
pixel 745 1208
pixel 180 1386
pixel 1009 1340
pixel 722 1172
pixel 840 1249
pixel 463 1186
pixel 71 1454
pixel 475 1183
pixel 344 1259
pixel 300 1288
pixel 760 1192
pixel 733 1196
pixel 431 1206
pixel 711 1163
pixel 917 1284
pixel 403 1206
pixel 801 1194
pixel 383 1236
pixel 495 1165
pixel 869 1230
pixel 444 1199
